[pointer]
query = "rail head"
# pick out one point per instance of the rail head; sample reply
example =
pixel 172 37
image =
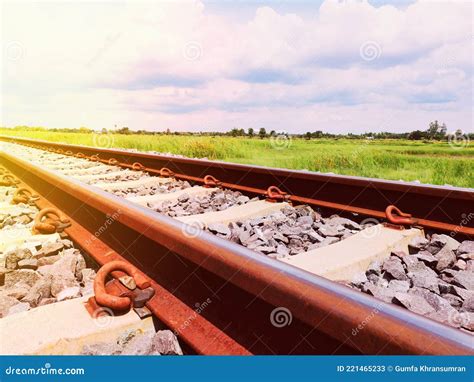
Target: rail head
pixel 381 184
pixel 324 305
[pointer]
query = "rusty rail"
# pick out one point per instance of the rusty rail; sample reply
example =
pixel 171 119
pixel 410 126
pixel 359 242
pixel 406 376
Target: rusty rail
pixel 433 207
pixel 170 310
pixel 242 289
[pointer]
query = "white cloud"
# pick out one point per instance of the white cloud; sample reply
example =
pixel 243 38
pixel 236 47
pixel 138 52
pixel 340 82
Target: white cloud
pixel 178 65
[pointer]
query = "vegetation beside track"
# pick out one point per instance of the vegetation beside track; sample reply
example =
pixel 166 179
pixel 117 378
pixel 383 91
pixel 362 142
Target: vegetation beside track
pixel 435 162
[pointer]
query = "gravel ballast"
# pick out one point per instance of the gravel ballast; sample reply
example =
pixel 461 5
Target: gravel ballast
pixel 287 232
pixel 435 279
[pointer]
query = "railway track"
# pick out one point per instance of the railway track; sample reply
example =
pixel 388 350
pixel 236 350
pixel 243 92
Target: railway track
pixel 249 246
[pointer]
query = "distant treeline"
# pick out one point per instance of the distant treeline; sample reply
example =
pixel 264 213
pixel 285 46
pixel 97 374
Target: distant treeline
pixel 435 131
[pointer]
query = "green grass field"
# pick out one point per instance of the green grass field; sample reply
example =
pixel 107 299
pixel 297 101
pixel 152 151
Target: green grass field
pixel 428 162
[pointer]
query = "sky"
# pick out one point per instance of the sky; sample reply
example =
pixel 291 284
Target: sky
pixel 294 66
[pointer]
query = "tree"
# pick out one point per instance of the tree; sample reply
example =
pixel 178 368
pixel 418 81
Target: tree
pixel 442 132
pixel 308 135
pixel 250 132
pixel 416 135
pixel 262 133
pixel 433 129
pixel 124 130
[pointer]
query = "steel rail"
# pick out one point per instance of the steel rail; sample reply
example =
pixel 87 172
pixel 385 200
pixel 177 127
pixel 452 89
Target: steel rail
pixel 245 287
pixel 434 207
pixel 171 311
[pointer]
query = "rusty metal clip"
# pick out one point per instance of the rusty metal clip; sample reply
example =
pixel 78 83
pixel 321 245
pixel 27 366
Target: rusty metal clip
pixel 8 180
pixel 210 181
pixel 80 155
pixel 112 161
pixel 118 302
pixel 274 194
pixel 69 152
pixel 166 172
pixel 23 195
pixel 137 166
pixel 94 158
pixel 402 218
pixel 53 222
